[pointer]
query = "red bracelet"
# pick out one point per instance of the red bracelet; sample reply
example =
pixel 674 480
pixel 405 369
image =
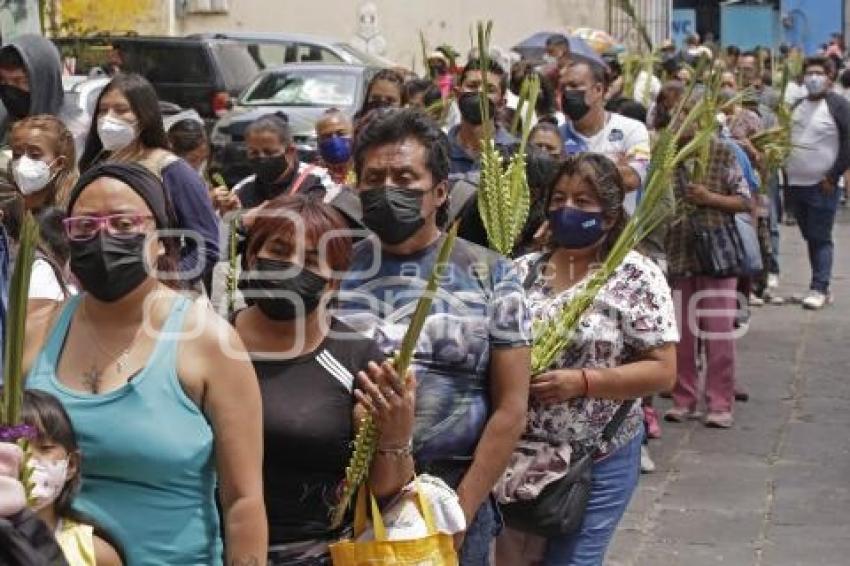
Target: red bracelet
pixel 586 382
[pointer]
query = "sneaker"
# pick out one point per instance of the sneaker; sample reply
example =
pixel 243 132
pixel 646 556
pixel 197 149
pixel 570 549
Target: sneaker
pixel 816 300
pixel 680 415
pixel 772 280
pixel 653 427
pixel 722 419
pixel 756 301
pixel 647 466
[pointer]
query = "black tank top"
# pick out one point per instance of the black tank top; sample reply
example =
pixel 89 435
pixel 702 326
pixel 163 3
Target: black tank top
pixel 307 432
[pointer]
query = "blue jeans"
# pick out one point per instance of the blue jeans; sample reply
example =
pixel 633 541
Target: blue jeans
pixel 480 535
pixel 614 480
pixel 815 214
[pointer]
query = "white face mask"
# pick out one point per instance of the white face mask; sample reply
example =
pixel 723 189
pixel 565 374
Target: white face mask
pixel 31 175
pixel 549 59
pixel 48 478
pixel 115 133
pixel 815 84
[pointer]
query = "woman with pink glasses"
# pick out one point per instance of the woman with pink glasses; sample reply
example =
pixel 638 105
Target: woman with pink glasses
pixel 160 391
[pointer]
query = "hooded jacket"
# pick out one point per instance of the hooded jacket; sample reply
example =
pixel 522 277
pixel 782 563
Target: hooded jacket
pixel 44 69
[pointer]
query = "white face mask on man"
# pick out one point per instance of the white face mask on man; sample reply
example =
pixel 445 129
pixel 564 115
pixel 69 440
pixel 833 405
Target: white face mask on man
pixel 816 84
pixel 115 133
pixel 48 479
pixel 31 175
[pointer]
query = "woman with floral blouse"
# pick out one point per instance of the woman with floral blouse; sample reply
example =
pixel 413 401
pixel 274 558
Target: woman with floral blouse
pixel 623 349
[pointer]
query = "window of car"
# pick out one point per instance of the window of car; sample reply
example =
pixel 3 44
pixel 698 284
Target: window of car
pixel 268 54
pixel 308 53
pixel 238 67
pixel 164 63
pixel 303 88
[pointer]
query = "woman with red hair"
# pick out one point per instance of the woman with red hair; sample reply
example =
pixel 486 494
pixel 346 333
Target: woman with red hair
pixel 297 252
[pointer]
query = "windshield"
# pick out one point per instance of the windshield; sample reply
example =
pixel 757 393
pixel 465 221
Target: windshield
pixel 303 88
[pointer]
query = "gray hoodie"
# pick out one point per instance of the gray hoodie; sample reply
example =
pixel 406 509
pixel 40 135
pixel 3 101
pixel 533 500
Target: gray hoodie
pixel 44 69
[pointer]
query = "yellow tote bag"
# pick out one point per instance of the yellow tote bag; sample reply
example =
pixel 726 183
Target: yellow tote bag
pixel 436 549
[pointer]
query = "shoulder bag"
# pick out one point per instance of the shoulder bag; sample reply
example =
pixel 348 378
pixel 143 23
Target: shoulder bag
pixel 559 509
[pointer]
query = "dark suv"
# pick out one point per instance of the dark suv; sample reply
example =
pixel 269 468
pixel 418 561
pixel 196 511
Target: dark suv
pixel 200 73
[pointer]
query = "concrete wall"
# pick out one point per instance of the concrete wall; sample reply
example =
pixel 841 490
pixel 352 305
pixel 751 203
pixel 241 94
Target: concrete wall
pixel 399 21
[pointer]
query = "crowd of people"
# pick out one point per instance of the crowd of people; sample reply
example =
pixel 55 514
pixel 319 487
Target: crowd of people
pixel 199 358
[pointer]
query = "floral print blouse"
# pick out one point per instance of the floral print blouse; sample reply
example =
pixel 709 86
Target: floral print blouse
pixel 631 314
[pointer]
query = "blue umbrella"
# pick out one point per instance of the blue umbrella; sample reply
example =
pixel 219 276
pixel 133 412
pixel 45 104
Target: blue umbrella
pixel 534 46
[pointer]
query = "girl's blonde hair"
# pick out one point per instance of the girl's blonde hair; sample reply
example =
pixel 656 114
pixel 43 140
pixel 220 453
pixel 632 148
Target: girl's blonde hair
pixel 63 145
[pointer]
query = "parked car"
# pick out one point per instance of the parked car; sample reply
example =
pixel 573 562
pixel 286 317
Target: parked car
pixel 301 91
pixel 200 73
pixel 273 49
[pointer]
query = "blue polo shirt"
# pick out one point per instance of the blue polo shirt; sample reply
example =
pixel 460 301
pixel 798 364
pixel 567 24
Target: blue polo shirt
pixel 461 162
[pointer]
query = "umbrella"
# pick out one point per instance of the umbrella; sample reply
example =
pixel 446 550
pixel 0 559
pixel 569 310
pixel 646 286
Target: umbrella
pixel 534 46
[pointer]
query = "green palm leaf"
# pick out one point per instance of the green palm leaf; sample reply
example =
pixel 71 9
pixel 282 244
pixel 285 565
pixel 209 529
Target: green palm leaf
pixel 366 439
pixel 13 353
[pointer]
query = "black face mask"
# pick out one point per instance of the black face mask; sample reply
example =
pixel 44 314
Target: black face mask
pixel 108 267
pixel 574 105
pixel 269 169
pixel 394 214
pixel 470 108
pixel 16 101
pixel 280 295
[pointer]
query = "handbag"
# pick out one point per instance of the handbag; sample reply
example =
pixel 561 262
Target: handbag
pixel 435 549
pixel 752 261
pixel 719 250
pixel 559 509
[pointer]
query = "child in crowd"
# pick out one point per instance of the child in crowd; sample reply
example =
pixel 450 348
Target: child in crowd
pixel 55 462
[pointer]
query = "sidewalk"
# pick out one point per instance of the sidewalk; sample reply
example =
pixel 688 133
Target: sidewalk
pixel 774 490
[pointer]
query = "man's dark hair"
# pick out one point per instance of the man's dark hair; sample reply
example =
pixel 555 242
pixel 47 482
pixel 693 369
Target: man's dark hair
pixel 10 58
pixel 274 123
pixel 559 40
pixel 395 125
pixel 733 50
pixel 492 67
pixel 145 105
pixel 627 107
pixel 597 71
pixel 429 91
pixel 186 135
pixel 818 61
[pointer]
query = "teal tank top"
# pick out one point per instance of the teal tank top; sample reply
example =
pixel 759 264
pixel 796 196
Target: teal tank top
pixel 148 469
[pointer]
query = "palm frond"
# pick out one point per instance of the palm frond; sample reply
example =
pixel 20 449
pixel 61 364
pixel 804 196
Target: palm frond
pixel 13 352
pixel 366 439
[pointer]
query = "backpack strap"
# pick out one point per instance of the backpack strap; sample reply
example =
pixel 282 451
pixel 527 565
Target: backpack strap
pixel 296 186
pixel 613 425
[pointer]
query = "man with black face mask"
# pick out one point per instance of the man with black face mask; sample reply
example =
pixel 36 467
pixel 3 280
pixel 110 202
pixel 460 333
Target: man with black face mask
pixel 472 360
pixel 31 83
pixel 592 128
pixel 465 138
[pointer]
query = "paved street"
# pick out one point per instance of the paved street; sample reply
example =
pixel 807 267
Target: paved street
pixel 775 490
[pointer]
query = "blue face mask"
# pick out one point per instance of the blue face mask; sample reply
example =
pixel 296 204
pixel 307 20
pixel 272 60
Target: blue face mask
pixel 335 150
pixel 575 229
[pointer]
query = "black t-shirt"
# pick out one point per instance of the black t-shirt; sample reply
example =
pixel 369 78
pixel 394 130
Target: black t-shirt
pixel 307 432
